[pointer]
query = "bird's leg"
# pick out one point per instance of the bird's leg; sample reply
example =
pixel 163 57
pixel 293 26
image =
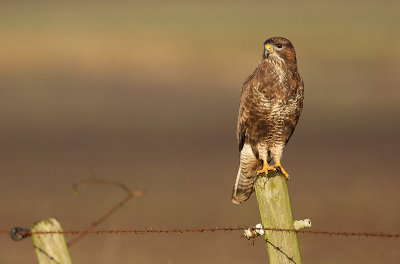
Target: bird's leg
pixel 278 167
pixel 266 167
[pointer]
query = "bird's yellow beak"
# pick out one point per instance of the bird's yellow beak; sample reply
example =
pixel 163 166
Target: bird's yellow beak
pixel 269 48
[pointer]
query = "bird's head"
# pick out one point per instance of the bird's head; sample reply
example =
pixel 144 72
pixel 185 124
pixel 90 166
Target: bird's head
pixel 279 49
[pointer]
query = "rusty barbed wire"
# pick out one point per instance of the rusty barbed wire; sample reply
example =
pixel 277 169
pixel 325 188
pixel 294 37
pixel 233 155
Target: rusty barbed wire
pixel 204 230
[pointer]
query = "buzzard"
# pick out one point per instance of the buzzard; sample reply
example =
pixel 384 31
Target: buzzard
pixel 270 106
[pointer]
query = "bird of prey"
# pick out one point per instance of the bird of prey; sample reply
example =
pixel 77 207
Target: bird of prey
pixel 270 106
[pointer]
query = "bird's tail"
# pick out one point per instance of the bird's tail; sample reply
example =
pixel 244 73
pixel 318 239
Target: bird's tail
pixel 243 187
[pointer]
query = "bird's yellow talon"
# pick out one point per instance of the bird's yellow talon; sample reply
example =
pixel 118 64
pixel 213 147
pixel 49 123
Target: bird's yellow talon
pixel 266 169
pixel 279 167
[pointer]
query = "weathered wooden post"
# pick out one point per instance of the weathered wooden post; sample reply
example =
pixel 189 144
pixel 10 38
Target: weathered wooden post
pixel 50 248
pixel 276 212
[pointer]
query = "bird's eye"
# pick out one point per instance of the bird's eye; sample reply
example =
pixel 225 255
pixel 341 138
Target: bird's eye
pixel 278 45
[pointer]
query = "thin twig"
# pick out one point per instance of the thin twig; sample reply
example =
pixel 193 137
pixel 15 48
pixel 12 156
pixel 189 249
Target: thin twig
pixel 110 212
pixel 76 185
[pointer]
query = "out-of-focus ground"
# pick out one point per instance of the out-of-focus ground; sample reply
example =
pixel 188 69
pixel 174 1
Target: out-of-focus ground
pixel 147 94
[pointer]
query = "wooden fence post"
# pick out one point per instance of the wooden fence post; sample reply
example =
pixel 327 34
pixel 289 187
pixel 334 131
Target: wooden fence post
pixel 50 248
pixel 276 212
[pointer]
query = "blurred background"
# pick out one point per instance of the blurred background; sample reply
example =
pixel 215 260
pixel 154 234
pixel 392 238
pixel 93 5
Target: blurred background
pixel 147 93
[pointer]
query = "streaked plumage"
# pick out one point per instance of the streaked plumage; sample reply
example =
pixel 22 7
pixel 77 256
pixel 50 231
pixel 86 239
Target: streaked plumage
pixel 270 106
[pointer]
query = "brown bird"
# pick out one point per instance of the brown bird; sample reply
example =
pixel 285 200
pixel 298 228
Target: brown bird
pixel 270 106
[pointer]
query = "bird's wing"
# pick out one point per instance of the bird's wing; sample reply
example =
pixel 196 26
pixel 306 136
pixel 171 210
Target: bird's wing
pixel 244 112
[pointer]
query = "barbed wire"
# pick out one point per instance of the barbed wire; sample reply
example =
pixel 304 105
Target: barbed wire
pixel 19 233
pixel 22 232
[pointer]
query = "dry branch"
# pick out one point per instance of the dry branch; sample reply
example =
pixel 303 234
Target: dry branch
pixel 101 219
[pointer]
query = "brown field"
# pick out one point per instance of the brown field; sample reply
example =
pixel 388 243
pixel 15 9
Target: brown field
pixel 147 94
